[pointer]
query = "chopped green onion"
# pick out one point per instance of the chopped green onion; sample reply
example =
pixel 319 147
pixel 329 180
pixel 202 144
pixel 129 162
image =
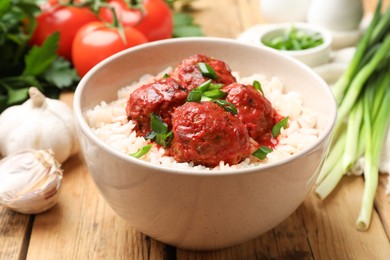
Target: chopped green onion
pixel 294 40
pixel 215 94
pixel 159 132
pixel 164 139
pixel 204 99
pixel 157 125
pixel 215 86
pixel 166 75
pixel 168 137
pixel 204 86
pixel 151 136
pixel 257 86
pixel 195 95
pixel 227 106
pixel 278 126
pixel 207 70
pixel 262 152
pixel 142 151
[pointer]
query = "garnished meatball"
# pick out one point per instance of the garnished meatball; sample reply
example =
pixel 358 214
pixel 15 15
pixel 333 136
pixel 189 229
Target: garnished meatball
pixel 228 128
pixel 190 76
pixel 205 134
pixel 254 110
pixel 159 97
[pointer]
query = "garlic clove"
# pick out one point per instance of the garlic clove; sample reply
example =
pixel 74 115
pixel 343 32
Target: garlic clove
pixel 30 181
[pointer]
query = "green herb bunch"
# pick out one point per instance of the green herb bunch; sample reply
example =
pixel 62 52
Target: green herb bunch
pixel 22 66
pixel 363 96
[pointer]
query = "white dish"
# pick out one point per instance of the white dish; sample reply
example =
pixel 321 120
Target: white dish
pixel 190 208
pixel 329 64
pixel 312 57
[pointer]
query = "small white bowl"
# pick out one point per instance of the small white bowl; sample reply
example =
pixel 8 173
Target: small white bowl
pixel 312 57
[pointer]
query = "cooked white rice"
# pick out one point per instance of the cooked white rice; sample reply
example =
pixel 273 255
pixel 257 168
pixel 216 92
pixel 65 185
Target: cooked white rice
pixel 109 122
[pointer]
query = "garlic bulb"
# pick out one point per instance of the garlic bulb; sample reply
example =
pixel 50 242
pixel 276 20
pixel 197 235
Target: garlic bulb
pixel 39 123
pixel 30 181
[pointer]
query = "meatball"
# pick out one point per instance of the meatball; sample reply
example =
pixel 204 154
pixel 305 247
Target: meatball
pixel 190 76
pixel 159 97
pixel 206 134
pixel 254 110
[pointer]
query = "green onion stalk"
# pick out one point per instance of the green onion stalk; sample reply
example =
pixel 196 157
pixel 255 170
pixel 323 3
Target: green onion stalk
pixel 357 84
pixel 363 96
pixel 342 84
pixel 376 133
pixel 364 135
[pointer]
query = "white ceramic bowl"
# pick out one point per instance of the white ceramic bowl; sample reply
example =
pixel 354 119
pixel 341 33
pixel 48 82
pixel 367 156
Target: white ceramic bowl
pixel 189 208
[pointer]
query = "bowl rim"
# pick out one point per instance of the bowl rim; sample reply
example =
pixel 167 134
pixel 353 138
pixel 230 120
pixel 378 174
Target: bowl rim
pixel 86 130
pixel 326 35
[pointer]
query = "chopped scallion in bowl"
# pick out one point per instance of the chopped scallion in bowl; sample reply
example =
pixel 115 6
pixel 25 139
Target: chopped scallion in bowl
pixel 294 39
pixel 308 43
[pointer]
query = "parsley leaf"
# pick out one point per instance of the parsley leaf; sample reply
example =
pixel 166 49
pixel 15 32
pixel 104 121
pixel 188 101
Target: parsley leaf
pixel 184 26
pixel 40 58
pixel 5 6
pixel 17 95
pixel 61 74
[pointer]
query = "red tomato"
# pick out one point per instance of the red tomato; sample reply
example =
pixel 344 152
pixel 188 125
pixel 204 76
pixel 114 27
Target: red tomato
pixel 63 19
pixel 96 41
pixel 156 23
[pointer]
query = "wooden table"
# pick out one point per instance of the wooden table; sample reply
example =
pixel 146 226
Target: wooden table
pixel 82 226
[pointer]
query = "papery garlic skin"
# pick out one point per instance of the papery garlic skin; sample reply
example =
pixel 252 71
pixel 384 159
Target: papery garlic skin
pixel 30 181
pixel 39 123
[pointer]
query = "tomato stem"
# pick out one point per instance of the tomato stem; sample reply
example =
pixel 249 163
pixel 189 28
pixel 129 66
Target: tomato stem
pixel 138 5
pixel 117 24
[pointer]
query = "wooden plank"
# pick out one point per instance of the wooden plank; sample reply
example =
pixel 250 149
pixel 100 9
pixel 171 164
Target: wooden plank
pixel 287 241
pixel 14 234
pixel 318 230
pixel 217 18
pixel 382 204
pixel 331 225
pixel 249 13
pixel 226 18
pixel 82 226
